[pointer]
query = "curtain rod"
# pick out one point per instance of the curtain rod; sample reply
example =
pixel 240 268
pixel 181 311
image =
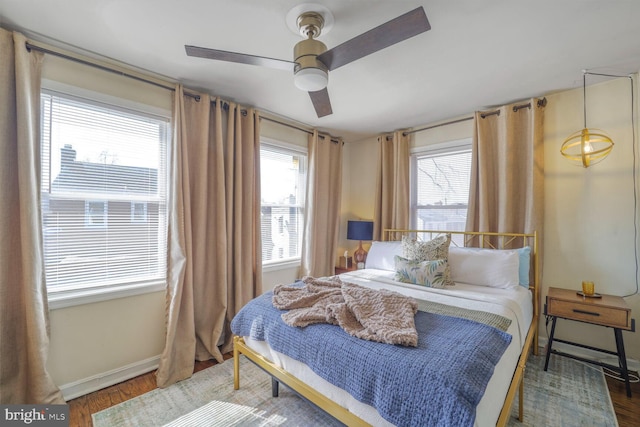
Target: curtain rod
pixel 225 106
pixel 541 103
pixel 335 141
pixel 30 47
pixel 122 73
pixel 435 126
pixel 287 125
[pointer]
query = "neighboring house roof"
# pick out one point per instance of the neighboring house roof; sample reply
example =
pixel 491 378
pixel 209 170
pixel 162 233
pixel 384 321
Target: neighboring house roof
pixel 106 178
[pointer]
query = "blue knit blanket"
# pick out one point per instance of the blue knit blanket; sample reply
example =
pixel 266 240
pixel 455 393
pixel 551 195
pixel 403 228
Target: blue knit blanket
pixel 437 383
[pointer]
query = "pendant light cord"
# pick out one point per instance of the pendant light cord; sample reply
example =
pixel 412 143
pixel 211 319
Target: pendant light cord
pixel 584 97
pixel 634 173
pixel 635 184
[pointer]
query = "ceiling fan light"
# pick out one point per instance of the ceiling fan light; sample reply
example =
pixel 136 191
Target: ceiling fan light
pixel 311 79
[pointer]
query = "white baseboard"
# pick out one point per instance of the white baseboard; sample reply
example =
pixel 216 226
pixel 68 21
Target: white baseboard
pixel 632 364
pixel 109 378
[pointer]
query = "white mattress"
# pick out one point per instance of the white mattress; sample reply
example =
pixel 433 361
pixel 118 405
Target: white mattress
pixel 515 304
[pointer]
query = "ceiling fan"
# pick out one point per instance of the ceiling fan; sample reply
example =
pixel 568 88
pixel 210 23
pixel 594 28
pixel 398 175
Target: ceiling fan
pixel 312 61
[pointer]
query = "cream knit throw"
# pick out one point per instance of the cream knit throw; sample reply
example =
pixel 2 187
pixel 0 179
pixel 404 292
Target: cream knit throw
pixel 374 315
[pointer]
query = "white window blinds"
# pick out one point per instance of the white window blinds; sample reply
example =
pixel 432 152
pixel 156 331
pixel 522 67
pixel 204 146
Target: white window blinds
pixel 441 192
pixel 283 175
pixel 104 188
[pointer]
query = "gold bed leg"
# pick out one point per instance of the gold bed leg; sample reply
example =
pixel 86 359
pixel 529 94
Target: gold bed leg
pixel 236 364
pixel 329 406
pixel 521 398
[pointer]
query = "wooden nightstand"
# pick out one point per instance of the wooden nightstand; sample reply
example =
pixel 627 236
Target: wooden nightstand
pixel 610 311
pixel 340 270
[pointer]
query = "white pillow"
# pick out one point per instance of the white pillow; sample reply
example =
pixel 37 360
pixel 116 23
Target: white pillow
pixel 488 267
pixel 381 255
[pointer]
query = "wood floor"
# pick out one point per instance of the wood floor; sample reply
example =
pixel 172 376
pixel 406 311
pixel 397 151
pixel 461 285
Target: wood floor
pixel 627 408
pixel 80 409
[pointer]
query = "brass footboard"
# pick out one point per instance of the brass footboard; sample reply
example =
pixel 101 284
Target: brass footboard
pixel 329 406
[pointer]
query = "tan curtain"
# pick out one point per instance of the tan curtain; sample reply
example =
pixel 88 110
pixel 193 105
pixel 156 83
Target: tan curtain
pixel 24 314
pixel 215 264
pixel 322 206
pixel 392 184
pixel 507 170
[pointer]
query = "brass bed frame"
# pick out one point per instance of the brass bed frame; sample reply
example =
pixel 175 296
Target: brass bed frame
pixel 488 240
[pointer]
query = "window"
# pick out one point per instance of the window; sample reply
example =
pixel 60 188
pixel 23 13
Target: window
pixel 138 212
pixel 104 185
pixel 283 175
pixel 440 187
pixel 95 214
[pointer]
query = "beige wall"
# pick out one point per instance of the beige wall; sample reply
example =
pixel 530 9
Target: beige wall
pixel 358 188
pixel 589 213
pixel 91 339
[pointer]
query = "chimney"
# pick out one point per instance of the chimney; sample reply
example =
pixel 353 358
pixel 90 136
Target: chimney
pixel 67 155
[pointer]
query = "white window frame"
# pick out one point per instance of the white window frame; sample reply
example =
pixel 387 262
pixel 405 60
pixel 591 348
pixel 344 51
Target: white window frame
pixel 449 147
pixel 89 217
pixel 286 148
pixel 134 218
pixel 61 298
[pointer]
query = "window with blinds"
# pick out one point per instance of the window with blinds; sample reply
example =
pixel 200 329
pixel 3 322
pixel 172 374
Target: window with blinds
pixel 440 193
pixel 283 176
pixel 104 192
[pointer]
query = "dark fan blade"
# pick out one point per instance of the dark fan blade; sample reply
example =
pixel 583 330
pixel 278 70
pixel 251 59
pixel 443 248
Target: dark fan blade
pixel 223 55
pixel 401 28
pixel 321 102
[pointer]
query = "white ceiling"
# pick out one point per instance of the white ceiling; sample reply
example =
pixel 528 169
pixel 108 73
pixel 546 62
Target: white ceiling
pixel 477 54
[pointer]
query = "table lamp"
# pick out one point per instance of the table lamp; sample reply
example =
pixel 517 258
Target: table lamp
pixel 360 230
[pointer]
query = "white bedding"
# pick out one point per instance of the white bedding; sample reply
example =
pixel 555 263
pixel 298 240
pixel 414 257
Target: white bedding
pixel 513 303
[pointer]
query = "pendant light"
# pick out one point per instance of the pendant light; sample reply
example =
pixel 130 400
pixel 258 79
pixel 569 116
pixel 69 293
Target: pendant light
pixel 586 147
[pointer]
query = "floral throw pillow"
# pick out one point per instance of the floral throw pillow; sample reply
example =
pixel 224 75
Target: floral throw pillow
pixel 435 249
pixel 426 273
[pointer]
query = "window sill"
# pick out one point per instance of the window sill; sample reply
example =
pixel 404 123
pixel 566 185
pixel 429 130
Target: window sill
pixel 70 298
pixel 281 265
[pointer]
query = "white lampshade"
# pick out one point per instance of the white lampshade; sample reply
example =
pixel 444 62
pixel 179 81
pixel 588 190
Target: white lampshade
pixel 311 79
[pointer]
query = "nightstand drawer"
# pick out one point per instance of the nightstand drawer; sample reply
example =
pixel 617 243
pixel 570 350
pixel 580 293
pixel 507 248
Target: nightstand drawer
pixel 603 310
pixel 340 270
pixel 606 316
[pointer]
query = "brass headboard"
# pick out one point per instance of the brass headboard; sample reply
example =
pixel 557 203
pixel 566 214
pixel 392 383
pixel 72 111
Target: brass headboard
pixel 488 240
pixel 476 239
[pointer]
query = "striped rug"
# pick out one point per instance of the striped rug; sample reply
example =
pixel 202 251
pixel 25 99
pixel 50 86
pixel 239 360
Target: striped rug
pixel 568 394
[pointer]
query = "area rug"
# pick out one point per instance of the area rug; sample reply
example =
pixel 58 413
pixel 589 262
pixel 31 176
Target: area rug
pixel 568 394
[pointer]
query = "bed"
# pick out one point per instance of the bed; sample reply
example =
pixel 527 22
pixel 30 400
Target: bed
pixel 494 275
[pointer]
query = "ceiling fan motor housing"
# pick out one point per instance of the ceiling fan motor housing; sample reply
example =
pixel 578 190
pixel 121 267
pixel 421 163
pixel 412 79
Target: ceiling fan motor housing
pixel 310 74
pixel 305 54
